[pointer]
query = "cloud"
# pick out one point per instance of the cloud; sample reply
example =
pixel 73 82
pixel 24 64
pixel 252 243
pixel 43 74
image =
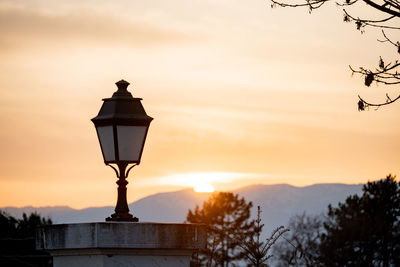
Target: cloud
pixel 24 27
pixel 193 179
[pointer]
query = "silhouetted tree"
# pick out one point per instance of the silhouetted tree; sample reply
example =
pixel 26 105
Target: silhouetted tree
pixel 362 231
pixel 8 225
pixel 256 250
pixel 28 224
pixel 17 241
pixel 385 14
pixel 301 246
pixel 365 230
pixel 228 219
pixel 21 228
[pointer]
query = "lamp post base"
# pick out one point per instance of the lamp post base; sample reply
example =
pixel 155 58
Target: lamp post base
pixel 121 244
pixel 122 217
pixel 121 209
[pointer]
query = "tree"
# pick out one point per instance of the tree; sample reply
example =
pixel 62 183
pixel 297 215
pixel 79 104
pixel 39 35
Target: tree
pixel 365 230
pixel 28 224
pixel 362 231
pixel 256 250
pixel 8 225
pixel 301 247
pixel 11 227
pixel 17 241
pixel 228 219
pixel 386 16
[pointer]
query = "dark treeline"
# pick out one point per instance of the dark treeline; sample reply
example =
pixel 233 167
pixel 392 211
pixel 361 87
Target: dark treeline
pixel 17 241
pixel 362 231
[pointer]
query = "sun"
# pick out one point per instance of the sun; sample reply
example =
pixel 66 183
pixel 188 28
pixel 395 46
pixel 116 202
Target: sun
pixel 201 181
pixel 204 188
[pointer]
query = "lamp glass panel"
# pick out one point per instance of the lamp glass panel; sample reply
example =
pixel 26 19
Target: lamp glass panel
pixel 106 137
pixel 130 142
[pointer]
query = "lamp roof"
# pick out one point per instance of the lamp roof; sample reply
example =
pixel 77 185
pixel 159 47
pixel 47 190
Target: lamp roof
pixel 122 108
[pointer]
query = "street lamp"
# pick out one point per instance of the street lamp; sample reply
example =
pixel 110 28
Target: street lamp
pixel 122 126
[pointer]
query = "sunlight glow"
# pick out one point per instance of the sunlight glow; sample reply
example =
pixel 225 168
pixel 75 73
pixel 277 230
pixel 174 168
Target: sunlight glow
pixel 202 180
pixel 204 188
pixel 234 104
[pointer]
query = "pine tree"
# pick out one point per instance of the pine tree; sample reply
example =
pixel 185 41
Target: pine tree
pixel 365 230
pixel 256 250
pixel 228 219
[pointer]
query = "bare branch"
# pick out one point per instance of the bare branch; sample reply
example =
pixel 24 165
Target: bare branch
pixel 387 74
pixel 313 4
pixel 388 40
pixel 382 8
pixel 347 3
pixel 362 104
pixel 372 23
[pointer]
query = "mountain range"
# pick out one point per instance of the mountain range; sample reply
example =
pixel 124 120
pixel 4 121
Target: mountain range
pixel 278 203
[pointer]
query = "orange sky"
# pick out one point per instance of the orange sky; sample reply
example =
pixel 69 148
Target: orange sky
pixel 239 93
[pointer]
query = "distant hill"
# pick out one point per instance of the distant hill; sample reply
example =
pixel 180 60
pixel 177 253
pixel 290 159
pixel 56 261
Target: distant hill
pixel 278 204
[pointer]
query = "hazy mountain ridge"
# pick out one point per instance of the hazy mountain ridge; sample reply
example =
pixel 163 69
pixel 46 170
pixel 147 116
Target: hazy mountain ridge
pixel 278 203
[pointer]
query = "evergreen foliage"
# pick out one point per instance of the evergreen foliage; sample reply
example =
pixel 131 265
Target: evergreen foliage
pixel 17 241
pixel 11 227
pixel 228 219
pixel 8 225
pixel 362 231
pixel 257 251
pixel 365 230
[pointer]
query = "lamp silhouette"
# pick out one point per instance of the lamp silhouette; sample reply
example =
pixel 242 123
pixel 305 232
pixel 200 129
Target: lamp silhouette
pixel 121 127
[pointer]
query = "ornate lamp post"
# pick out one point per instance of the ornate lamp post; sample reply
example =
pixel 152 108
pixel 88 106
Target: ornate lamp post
pixel 122 126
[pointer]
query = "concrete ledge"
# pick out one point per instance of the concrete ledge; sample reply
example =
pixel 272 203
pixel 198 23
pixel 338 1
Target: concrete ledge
pixel 121 235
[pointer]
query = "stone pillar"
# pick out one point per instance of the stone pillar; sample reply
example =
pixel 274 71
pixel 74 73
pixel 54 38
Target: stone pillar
pixel 109 244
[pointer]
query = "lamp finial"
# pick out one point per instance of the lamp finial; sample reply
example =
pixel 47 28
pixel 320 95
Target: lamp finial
pixel 122 85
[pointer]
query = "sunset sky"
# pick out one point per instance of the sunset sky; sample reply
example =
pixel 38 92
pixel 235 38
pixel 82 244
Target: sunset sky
pixel 240 94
